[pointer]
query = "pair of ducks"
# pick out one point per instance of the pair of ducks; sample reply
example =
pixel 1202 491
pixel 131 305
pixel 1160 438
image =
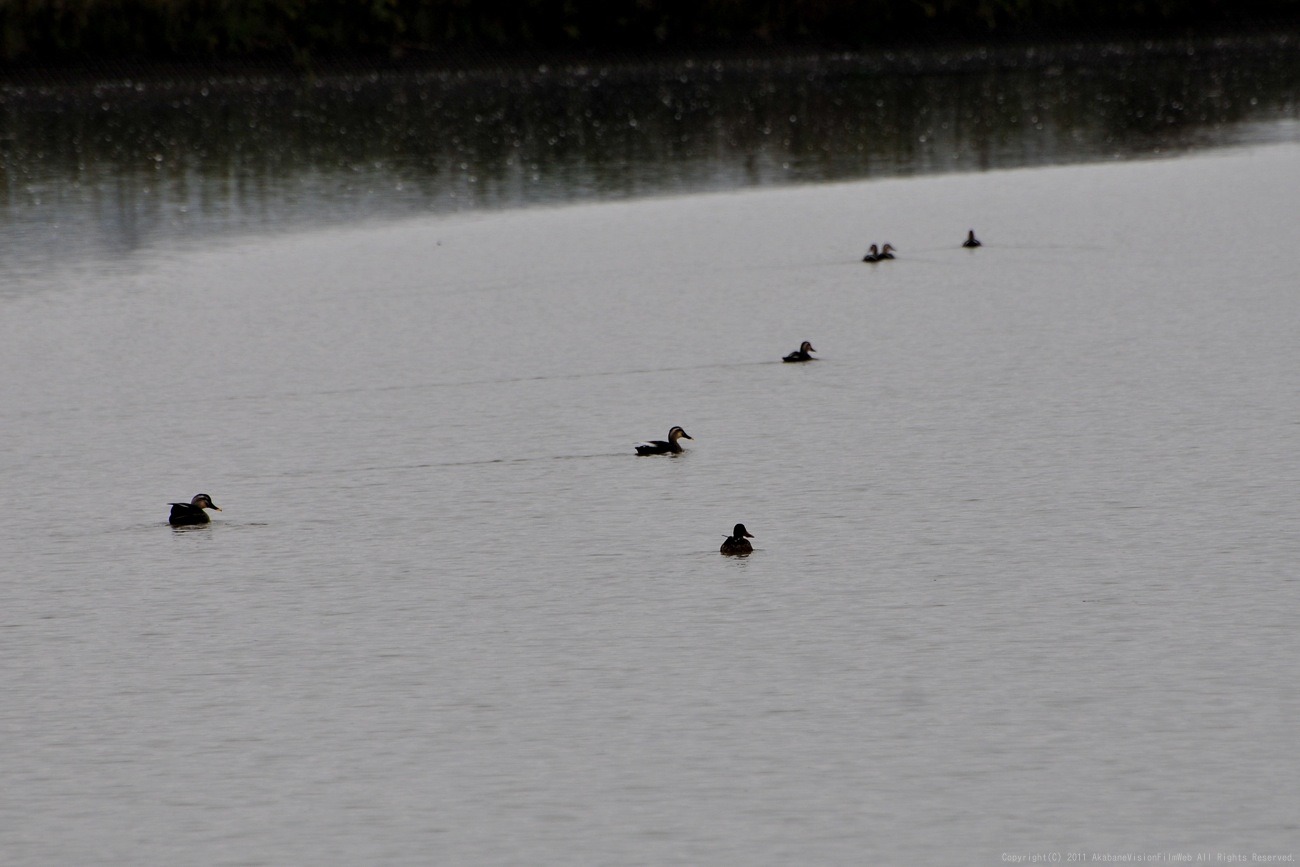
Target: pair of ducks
pixel 887 252
pixel 879 255
pixel 186 514
pixel 670 446
pixel 737 544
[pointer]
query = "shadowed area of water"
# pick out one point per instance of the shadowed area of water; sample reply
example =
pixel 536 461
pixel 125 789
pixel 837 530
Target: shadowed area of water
pixel 110 166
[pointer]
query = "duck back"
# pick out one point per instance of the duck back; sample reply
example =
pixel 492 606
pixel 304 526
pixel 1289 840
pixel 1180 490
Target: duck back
pixel 736 546
pixel 184 514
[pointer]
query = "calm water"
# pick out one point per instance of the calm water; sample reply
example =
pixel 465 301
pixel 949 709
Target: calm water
pixel 1025 577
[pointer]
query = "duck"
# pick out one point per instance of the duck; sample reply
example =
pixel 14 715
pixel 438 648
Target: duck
pixel 971 240
pixel 886 252
pixel 802 354
pixel 192 512
pixel 737 544
pixel 660 447
pixel 873 254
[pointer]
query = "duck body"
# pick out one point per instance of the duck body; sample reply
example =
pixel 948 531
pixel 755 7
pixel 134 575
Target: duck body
pixel 185 514
pixel 664 447
pixel 971 240
pixel 737 544
pixel 802 353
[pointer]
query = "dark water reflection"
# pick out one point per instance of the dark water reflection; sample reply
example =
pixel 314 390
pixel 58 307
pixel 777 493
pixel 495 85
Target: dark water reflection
pixel 112 166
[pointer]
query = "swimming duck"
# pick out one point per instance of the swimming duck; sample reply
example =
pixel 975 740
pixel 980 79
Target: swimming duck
pixel 886 252
pixel 873 254
pixel 659 447
pixel 737 544
pixel 971 240
pixel 802 354
pixel 192 512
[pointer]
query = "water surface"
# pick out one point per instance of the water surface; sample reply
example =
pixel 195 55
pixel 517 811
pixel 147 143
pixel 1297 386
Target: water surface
pixel 105 168
pixel 1025 570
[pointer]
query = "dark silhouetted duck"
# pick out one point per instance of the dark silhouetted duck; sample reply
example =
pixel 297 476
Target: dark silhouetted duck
pixel 738 542
pixel 659 447
pixel 192 512
pixel 971 240
pixel 886 252
pixel 802 354
pixel 873 254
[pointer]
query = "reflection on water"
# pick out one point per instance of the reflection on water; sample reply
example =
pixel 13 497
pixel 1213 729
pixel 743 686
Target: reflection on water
pixel 115 165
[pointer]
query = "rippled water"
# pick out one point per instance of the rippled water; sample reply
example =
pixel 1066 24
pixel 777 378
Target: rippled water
pixel 1025 567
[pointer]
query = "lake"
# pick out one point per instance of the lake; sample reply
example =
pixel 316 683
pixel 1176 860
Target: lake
pixel 1024 577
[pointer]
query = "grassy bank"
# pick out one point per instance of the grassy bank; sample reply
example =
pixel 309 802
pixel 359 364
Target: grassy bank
pixel 87 31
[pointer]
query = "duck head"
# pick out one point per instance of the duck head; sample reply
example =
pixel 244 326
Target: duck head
pixel 677 433
pixel 203 501
pixel 741 532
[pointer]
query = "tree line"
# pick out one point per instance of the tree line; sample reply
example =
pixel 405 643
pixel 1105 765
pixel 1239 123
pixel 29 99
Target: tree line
pixel 79 31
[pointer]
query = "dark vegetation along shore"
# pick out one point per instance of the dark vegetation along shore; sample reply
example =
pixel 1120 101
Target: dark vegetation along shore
pixel 303 32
